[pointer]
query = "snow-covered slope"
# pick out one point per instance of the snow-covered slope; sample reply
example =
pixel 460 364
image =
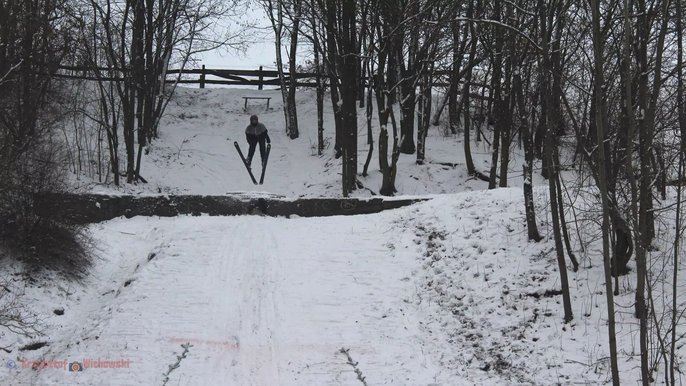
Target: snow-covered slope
pixel 195 152
pixel 446 292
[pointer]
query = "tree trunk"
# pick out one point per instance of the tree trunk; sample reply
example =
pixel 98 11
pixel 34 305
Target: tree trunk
pixel 370 110
pixel 138 73
pixel 532 227
pixel 408 98
pixel 508 102
pixel 424 117
pixel 320 98
pixel 334 79
pixel 498 103
pixel 292 121
pixel 467 122
pixel 341 34
pixel 671 367
pixel 351 63
pixel 600 117
pixel 408 91
pixel 529 209
pixel 385 75
pixel 453 111
pixel 506 139
pixel 554 210
pixel 128 91
pixel 493 175
pixel 563 222
pixel 387 186
pixel 277 26
pixel 318 51
pixel 647 106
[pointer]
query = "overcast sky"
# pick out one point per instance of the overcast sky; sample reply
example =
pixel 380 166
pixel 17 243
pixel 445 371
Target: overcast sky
pixel 259 53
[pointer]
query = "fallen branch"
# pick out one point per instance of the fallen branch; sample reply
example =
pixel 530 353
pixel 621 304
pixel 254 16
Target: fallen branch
pixel 176 365
pixel 481 176
pixel 354 364
pixel 360 185
pixel 477 174
pixel 15 317
pixel 676 182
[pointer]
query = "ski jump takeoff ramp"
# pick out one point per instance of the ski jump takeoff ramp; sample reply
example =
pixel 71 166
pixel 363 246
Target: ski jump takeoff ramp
pixel 90 208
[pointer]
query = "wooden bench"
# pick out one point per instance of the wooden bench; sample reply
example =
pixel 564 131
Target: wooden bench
pixel 245 105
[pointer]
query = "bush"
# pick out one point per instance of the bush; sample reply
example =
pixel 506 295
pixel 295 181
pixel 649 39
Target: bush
pixel 38 168
pixel 30 155
pixel 15 317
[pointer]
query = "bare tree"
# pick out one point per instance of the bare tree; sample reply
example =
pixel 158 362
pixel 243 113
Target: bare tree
pixel 531 225
pixel 600 122
pixel 681 105
pixel 277 11
pixel 129 47
pixel 343 64
pixel 34 41
pixel 384 78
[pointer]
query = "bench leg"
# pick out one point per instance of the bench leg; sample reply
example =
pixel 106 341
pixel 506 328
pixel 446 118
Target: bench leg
pixel 245 106
pixel 268 104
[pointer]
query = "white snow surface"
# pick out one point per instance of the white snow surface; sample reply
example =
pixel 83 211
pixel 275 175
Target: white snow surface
pixel 272 301
pixel 444 292
pixel 194 153
pixel 439 293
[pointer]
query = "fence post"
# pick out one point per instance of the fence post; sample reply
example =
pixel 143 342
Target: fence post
pixel 202 77
pixel 260 78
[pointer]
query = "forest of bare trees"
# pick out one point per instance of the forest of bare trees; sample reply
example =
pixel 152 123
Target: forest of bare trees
pixel 49 125
pixel 590 86
pixel 594 87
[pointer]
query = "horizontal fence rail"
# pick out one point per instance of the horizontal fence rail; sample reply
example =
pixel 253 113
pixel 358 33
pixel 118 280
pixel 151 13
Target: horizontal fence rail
pixel 255 78
pixel 242 77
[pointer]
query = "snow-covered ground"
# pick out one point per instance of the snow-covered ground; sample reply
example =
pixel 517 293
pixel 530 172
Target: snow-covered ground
pixel 195 152
pixel 444 292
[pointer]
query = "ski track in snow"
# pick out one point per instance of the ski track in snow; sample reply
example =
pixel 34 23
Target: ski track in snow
pixel 262 301
pixel 445 292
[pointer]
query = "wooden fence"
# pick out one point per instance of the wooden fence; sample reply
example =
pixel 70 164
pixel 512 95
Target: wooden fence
pixel 257 78
pixel 243 78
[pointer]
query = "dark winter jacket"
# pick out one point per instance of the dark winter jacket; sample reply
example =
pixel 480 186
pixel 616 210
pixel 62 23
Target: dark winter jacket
pixel 255 129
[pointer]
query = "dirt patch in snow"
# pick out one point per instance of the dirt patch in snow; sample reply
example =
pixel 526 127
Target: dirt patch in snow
pixel 90 208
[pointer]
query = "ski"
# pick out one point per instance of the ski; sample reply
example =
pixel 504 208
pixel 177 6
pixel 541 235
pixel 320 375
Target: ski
pixel 245 163
pixel 264 164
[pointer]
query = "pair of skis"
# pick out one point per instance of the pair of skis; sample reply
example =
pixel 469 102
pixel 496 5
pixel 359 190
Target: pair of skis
pixel 247 166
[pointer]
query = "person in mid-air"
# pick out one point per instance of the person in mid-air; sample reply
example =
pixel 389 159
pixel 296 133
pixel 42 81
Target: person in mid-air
pixel 256 133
